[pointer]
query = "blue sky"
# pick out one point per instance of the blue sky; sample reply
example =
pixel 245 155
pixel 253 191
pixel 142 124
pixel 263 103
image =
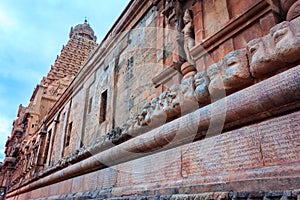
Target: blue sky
pixel 32 33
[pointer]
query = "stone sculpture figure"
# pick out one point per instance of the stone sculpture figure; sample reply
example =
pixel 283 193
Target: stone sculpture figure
pixel 163 102
pixel 144 113
pixel 174 100
pixel 260 53
pixel 188 69
pixel 164 108
pixel 153 113
pixel 275 50
pixel 125 127
pixel 201 91
pixel 189 102
pixel 236 70
pixel 149 109
pixel 135 125
pixel 159 114
pixel 178 13
pixel 188 32
pixel 286 42
pixel 216 86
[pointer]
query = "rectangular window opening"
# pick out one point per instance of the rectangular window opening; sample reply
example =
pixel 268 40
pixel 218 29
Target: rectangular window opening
pixel 103 107
pixel 68 138
pixel 47 146
pixel 90 105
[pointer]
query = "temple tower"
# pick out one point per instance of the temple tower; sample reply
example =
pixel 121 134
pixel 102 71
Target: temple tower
pixel 81 43
pixel 25 145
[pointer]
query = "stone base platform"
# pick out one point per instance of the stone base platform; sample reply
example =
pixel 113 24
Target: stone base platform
pixel 261 157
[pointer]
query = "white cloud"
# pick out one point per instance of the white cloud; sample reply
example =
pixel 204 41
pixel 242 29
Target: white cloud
pixel 7 21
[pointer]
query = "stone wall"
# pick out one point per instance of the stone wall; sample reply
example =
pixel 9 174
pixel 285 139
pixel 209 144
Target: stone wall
pixel 181 97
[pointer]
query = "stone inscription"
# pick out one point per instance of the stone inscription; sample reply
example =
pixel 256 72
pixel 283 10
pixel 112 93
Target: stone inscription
pixel 280 140
pixel 226 153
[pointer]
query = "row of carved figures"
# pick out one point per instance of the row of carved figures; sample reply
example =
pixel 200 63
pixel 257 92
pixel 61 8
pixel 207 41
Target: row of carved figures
pixel 237 70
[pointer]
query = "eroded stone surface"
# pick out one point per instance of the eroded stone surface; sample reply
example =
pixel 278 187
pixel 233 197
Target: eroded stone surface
pixel 201 84
pixel 275 50
pixel 236 70
pixel 215 74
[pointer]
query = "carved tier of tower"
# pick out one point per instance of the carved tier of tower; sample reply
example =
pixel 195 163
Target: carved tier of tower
pixel 73 55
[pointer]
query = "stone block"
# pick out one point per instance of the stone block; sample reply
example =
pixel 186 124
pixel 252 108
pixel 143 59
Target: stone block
pixel 77 184
pixel 107 178
pixel 90 182
pixel 236 7
pixel 215 16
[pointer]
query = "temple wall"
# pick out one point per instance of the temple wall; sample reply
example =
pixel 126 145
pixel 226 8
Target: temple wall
pixel 228 162
pixel 132 125
pixel 129 65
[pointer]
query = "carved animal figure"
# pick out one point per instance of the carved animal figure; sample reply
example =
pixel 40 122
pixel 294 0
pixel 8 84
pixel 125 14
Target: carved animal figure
pixel 286 38
pixel 259 52
pixel 201 91
pixel 159 115
pixel 173 108
pixel 236 72
pixel 216 87
pixel 273 51
pixel 189 102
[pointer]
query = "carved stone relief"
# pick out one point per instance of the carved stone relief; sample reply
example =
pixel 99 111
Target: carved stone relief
pixel 189 102
pixel 201 83
pixel 273 51
pixel 215 74
pixel 236 70
pixel 259 55
pixel 286 42
pixel 174 101
pixel 189 35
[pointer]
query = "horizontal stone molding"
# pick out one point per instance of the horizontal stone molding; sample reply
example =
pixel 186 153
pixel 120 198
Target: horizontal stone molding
pixel 105 194
pixel 242 169
pixel 164 76
pixel 277 95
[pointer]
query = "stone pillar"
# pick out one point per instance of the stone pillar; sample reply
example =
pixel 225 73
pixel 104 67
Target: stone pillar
pixel 40 164
pixel 188 70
